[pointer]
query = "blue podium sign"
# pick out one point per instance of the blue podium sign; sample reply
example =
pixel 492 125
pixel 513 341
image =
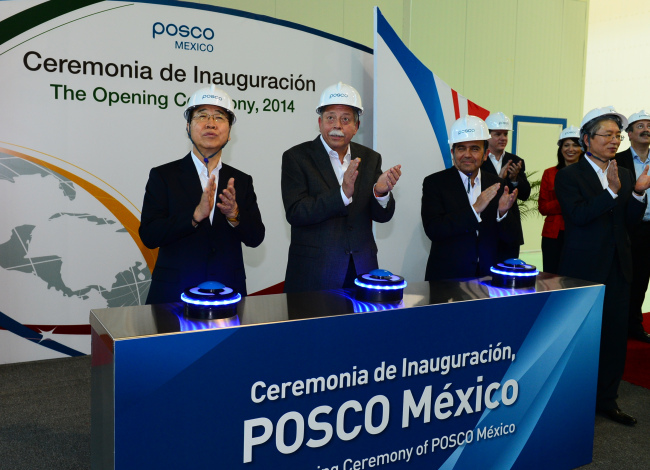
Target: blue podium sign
pixel 495 381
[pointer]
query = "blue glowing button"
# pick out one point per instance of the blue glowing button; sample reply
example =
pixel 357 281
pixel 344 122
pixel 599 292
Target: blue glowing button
pixel 210 286
pixel 210 300
pixel 514 262
pixel 514 273
pixel 380 274
pixel 380 285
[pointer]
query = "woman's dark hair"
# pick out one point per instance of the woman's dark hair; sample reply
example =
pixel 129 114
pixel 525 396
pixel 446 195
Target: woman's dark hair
pixel 560 158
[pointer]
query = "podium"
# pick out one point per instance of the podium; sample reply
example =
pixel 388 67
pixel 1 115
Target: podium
pixel 458 375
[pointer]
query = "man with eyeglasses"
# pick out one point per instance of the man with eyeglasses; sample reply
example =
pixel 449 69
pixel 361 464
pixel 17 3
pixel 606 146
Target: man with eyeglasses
pixel 198 210
pixel 332 190
pixel 464 209
pixel 635 159
pixel 599 202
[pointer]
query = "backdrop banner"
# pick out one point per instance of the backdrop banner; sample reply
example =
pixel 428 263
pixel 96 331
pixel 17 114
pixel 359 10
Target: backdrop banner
pixel 92 95
pixel 414 110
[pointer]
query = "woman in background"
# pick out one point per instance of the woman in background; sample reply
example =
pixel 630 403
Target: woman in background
pixel 568 152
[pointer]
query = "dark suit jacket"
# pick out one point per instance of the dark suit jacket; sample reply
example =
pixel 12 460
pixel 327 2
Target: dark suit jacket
pixel 625 160
pixel 189 256
pixel 523 187
pixel 324 232
pixel 450 223
pixel 595 223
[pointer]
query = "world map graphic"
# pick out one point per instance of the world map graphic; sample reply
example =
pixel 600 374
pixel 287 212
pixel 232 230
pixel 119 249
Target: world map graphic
pixel 64 256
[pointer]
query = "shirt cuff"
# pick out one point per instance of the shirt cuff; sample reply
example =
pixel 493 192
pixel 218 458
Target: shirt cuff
pixel 346 201
pixel 478 217
pixel 639 198
pixel 383 200
pixel 499 219
pixel 612 193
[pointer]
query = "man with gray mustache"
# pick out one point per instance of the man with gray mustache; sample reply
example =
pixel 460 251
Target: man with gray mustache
pixel 635 159
pixel 332 190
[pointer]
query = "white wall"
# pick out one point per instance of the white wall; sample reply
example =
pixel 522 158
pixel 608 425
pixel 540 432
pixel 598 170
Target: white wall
pixel 618 45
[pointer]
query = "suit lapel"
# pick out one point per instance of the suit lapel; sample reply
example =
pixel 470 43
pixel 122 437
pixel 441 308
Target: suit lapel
pixel 457 190
pixel 357 152
pixel 189 179
pixel 488 166
pixel 322 162
pixel 590 175
pixel 628 161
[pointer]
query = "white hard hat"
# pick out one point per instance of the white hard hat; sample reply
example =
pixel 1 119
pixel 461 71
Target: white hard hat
pixel 498 121
pixel 571 132
pixel 468 128
pixel 640 116
pixel 210 95
pixel 340 93
pixel 599 112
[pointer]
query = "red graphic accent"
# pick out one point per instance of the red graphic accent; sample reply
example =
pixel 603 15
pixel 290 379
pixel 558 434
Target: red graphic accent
pixel 454 95
pixel 276 289
pixel 476 110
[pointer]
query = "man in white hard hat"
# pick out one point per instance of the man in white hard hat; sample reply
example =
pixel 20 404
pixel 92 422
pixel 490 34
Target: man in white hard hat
pixel 512 169
pixel 198 210
pixel 635 159
pixel 465 210
pixel 600 201
pixel 333 189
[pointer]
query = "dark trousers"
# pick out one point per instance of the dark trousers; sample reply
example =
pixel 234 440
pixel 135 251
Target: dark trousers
pixel 551 252
pixel 350 275
pixel 613 338
pixel 640 238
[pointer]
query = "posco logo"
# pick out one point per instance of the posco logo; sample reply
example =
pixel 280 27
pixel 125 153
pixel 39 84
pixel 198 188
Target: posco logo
pixel 465 131
pixel 183 31
pixel 339 95
pixel 214 97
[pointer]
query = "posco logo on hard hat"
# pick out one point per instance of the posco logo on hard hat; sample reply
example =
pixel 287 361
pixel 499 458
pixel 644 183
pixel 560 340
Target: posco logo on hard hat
pixel 213 97
pixel 466 131
pixel 339 95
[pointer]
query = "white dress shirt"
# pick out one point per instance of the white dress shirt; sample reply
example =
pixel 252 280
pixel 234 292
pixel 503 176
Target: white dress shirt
pixel 340 169
pixel 203 176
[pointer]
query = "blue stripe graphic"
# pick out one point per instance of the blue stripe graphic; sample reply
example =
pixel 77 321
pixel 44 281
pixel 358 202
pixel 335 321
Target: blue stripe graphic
pixel 21 330
pixel 423 82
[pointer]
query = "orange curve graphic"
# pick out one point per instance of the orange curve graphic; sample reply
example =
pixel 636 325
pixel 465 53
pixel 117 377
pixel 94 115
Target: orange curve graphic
pixel 121 213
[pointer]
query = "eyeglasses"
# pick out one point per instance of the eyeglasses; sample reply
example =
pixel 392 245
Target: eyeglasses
pixel 610 137
pixel 205 117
